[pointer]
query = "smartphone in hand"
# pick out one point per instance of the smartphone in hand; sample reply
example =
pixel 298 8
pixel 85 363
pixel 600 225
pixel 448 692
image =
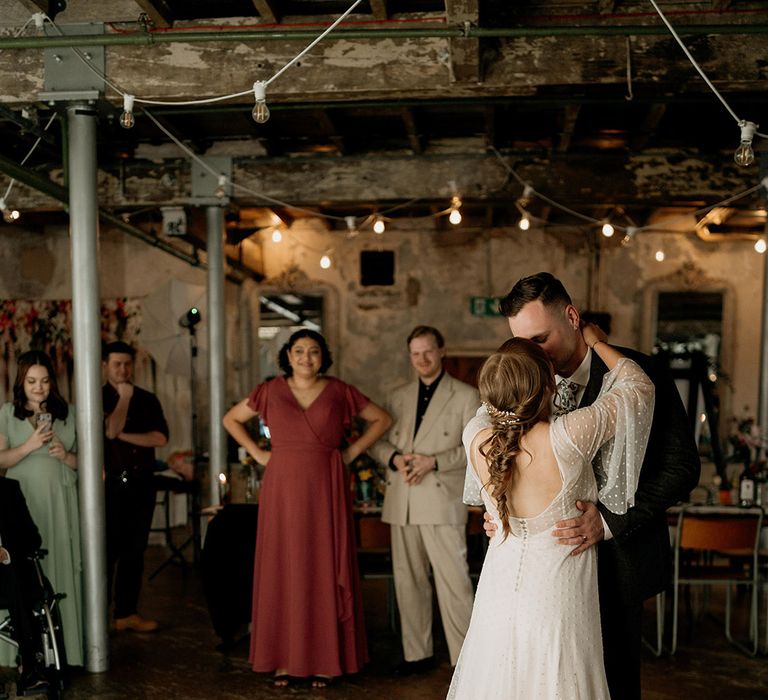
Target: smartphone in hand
pixel 44 419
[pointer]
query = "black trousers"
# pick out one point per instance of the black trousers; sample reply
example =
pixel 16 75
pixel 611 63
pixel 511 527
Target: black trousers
pixel 622 639
pixel 19 592
pixel 129 507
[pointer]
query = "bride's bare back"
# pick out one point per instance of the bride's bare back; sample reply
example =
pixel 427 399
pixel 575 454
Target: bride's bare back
pixel 537 479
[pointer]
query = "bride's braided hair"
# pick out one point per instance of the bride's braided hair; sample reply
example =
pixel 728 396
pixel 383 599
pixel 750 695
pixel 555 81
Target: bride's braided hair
pixel 516 385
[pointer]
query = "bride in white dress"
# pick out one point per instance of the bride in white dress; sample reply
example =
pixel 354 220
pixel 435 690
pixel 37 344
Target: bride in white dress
pixel 535 628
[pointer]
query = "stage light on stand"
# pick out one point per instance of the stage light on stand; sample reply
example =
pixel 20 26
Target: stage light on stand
pixel 379 226
pixel 744 154
pixel 760 245
pixel 189 319
pixel 127 120
pixel 525 222
pixel 260 111
pixel 607 230
pixel 277 236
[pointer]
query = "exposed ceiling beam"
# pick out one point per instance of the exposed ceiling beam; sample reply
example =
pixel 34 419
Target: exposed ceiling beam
pixel 606 7
pixel 464 51
pixel 570 117
pixel 50 7
pixel 329 129
pixel 414 138
pixel 648 127
pixel 158 11
pixel 379 9
pixel 267 11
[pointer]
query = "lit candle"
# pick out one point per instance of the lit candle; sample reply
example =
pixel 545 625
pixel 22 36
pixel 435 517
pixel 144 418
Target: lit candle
pixel 222 487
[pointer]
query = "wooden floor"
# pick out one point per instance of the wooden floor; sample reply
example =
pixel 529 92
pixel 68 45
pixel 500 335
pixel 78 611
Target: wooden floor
pixel 180 660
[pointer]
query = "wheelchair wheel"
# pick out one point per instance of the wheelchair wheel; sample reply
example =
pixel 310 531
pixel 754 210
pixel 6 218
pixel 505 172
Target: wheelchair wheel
pixel 52 649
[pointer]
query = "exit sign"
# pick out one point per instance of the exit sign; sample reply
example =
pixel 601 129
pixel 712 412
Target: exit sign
pixel 484 306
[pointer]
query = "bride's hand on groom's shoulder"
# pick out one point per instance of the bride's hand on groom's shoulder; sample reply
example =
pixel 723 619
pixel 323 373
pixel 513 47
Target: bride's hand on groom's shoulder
pixel 584 531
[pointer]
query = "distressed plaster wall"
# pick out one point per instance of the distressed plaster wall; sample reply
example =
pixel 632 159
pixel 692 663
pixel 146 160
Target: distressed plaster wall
pixel 436 273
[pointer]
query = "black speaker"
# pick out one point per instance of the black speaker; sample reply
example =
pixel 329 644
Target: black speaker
pixel 377 267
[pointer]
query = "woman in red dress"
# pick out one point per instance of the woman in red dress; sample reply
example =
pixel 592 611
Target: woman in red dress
pixel 307 609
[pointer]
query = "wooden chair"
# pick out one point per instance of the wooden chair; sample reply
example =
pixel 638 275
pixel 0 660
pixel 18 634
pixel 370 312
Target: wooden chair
pixel 718 546
pixel 374 556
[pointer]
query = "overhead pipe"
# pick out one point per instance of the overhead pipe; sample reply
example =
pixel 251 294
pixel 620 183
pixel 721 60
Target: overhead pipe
pixel 245 35
pixel 60 194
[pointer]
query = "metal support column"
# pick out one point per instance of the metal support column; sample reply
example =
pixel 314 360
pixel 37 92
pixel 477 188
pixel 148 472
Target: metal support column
pixel 86 336
pixel 762 396
pixel 217 445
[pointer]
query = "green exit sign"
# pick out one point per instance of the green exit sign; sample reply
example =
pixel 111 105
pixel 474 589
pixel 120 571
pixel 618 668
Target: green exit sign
pixel 484 306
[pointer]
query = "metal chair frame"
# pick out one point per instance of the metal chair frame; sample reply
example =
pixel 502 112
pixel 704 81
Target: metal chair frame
pixel 718 531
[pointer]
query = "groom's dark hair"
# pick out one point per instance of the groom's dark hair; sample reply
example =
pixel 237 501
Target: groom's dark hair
pixel 543 286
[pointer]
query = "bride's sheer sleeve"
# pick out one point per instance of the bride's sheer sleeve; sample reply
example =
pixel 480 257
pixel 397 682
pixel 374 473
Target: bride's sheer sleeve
pixel 472 484
pixel 613 433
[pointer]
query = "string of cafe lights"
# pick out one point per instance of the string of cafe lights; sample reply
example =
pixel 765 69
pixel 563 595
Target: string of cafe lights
pixel 744 155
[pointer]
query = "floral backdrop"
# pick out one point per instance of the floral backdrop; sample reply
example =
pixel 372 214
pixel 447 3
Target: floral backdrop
pixel 47 325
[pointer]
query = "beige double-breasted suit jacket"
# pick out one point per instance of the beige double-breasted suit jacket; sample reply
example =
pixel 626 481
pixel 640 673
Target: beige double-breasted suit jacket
pixel 437 499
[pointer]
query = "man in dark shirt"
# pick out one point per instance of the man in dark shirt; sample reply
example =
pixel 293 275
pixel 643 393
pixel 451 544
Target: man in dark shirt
pixel 134 425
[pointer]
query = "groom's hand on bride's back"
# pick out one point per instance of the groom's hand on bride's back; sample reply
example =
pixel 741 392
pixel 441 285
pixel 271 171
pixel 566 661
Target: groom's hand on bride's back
pixel 488 525
pixel 584 531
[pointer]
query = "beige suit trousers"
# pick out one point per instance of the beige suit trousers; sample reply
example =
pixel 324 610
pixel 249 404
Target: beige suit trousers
pixel 443 547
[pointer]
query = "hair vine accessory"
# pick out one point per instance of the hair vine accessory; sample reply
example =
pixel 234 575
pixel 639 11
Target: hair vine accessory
pixel 504 418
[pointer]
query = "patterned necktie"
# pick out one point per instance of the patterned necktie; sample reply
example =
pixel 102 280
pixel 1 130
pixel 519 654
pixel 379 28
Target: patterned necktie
pixel 565 398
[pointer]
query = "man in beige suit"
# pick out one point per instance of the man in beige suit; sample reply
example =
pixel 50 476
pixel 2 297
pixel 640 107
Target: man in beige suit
pixel 423 500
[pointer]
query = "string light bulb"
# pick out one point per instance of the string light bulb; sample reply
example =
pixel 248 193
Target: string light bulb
pixel 659 255
pixel 221 190
pixel 760 245
pixel 455 216
pixel 277 236
pixel 525 222
pixel 379 225
pixel 525 198
pixel 260 111
pixel 10 216
pixel 629 236
pixel 127 120
pixel 325 261
pixel 744 154
pixel 351 222
pixel 608 229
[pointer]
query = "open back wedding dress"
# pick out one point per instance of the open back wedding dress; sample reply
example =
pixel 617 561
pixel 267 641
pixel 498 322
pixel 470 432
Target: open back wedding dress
pixel 535 628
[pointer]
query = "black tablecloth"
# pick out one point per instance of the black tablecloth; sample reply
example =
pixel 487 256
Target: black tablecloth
pixel 227 568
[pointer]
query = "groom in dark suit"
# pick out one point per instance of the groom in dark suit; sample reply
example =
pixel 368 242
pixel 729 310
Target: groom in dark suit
pixel 633 559
pixel 19 540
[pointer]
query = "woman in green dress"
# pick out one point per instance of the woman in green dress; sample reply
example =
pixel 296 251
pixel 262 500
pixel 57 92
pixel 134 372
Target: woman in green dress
pixel 38 448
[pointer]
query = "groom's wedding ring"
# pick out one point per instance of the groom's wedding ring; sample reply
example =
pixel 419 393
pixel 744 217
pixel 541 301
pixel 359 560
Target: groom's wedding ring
pixel 583 538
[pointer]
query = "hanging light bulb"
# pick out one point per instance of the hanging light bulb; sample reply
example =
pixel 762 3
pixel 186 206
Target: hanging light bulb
pixel 379 226
pixel 9 215
pixel 760 245
pixel 455 216
pixel 744 154
pixel 351 222
pixel 608 229
pixel 628 236
pixel 127 120
pixel 659 255
pixel 221 190
pixel 525 223
pixel 325 261
pixel 277 236
pixel 260 111
pixel 525 198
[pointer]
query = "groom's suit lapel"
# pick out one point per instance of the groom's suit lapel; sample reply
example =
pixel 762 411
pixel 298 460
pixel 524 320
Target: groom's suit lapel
pixel 597 369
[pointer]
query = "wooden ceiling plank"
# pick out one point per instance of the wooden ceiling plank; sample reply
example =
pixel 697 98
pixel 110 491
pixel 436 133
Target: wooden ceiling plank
pixel 570 117
pixel 380 10
pixel 330 129
pixel 158 12
pixel 409 120
pixel 491 123
pixel 607 7
pixel 651 122
pixel 464 52
pixel 267 10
